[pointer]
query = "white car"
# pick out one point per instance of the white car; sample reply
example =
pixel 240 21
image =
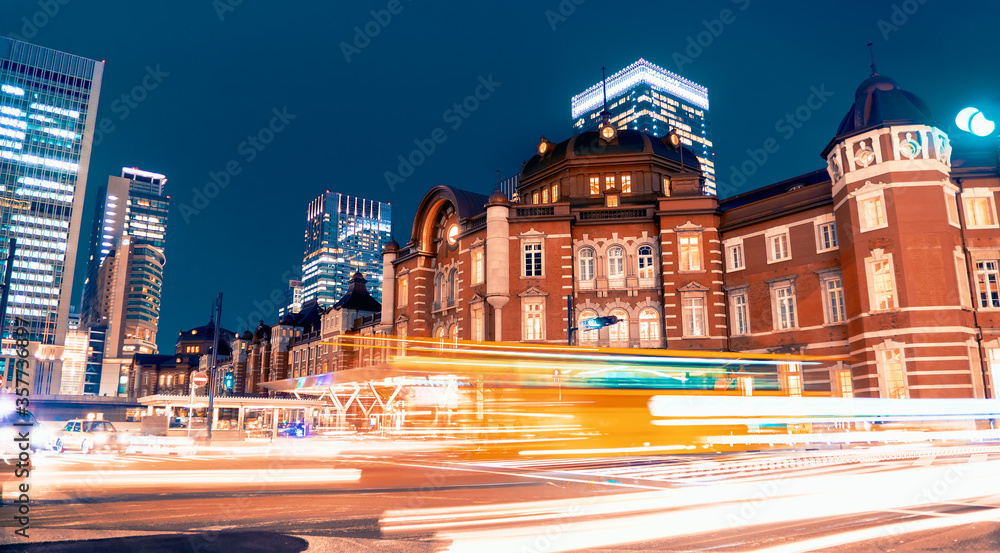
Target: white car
pixel 88 436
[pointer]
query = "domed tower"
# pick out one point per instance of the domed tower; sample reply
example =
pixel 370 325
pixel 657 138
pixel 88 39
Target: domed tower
pixel 897 214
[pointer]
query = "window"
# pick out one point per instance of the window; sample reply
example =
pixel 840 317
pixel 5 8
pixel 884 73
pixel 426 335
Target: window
pixel 609 182
pixel 649 325
pixel 694 315
pixel 478 324
pixel 951 204
pixel 646 262
pixel 871 212
pixel 962 272
pixel 611 200
pixel 453 332
pixel 452 286
pixel 987 280
pixel 545 195
pixel 403 292
pixel 533 324
pixel 586 336
pixel 533 259
pixel 666 186
pixel 778 247
pixel 784 307
pixel 844 383
pixel 741 314
pixel 791 379
pixel 883 287
pixel 478 266
pixel 690 252
pixel 833 296
pixel 626 184
pixel 595 186
pixel 555 193
pixel 440 332
pixel 826 236
pixel 616 263
pixel 734 257
pixel 618 332
pixel 586 264
pixel 438 290
pixel 893 375
pixel 979 210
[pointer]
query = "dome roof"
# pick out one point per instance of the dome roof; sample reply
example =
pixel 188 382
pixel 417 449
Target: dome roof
pixel 247 335
pixel 357 297
pixel 879 101
pixel 497 198
pixel 287 320
pixel 263 332
pixel 590 144
pixel 391 246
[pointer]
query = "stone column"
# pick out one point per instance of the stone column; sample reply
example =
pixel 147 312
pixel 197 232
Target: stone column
pixel 497 257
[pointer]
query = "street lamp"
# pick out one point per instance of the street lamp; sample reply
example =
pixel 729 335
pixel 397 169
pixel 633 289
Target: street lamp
pixel 973 120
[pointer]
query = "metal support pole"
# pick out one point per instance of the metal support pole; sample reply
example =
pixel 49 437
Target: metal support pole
pixel 569 320
pixel 215 358
pixel 6 284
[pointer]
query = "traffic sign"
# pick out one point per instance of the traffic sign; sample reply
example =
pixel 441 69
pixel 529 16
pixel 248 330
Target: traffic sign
pixel 199 379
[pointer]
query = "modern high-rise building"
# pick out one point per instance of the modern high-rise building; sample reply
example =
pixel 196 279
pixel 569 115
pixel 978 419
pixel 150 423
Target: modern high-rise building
pixel 123 289
pixel 648 98
pixel 344 234
pixel 48 109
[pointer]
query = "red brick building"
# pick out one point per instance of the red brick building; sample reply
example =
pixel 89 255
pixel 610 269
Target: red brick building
pixel 890 256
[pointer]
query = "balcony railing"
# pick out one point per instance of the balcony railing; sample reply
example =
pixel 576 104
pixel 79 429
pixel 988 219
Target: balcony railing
pixel 600 214
pixel 535 211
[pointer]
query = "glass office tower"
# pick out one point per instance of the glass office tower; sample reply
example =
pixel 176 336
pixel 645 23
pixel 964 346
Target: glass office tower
pixel 48 108
pixel 344 234
pixel 650 99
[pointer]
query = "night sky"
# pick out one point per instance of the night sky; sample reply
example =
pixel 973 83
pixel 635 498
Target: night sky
pixel 216 74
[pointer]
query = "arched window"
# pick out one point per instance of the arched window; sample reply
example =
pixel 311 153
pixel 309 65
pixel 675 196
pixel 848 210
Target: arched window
pixel 619 331
pixel 646 262
pixel 440 332
pixel 616 263
pixel 586 264
pixel 649 325
pixel 453 332
pixel 586 336
pixel 438 288
pixel 452 286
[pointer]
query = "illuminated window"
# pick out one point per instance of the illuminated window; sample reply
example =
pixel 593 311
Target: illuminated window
pixel 403 292
pixel 649 325
pixel 533 310
pixel 693 314
pixel 978 210
pixel 616 264
pixel 440 332
pixel 791 379
pixel 646 267
pixel 845 383
pixel 951 204
pixel 741 315
pixel 545 195
pixel 666 186
pixel 586 262
pixel 478 324
pixel 595 186
pixel 586 336
pixel 609 182
pixel 453 332
pixel 533 259
pixel 626 184
pixel 690 252
pixel 618 332
pixel 478 266
pixel 987 280
pixel 871 212
pixel 882 282
pixel 555 193
pixel 534 197
pixel 892 373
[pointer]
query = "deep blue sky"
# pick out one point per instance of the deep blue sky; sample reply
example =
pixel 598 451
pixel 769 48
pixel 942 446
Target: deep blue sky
pixel 352 119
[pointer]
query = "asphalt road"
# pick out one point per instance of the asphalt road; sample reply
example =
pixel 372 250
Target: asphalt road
pixel 415 501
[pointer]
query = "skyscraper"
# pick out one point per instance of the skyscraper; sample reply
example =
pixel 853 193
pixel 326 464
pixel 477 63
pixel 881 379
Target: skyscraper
pixel 123 289
pixel 650 99
pixel 48 109
pixel 344 234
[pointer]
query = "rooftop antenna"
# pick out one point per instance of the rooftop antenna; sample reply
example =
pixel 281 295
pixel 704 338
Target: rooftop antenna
pixel 871 51
pixel 498 179
pixel 605 115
